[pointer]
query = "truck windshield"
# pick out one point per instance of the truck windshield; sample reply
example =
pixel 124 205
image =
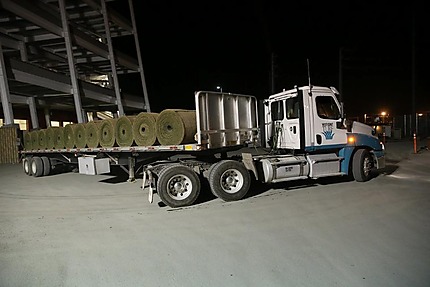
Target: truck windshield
pixel 277 110
pixel 327 108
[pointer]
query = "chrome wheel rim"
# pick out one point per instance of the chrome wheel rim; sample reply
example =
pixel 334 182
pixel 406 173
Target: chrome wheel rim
pixel 231 180
pixel 179 187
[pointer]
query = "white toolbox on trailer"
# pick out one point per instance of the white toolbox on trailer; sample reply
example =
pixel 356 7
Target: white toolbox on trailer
pixel 91 165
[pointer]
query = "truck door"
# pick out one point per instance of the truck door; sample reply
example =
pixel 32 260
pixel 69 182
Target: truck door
pixel 326 119
pixel 287 131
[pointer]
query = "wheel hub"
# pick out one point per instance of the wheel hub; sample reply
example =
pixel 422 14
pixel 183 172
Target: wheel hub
pixel 179 187
pixel 231 181
pixel 367 166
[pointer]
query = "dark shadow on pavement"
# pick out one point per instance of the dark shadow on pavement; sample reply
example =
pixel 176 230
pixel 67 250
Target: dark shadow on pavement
pixel 117 174
pixel 389 169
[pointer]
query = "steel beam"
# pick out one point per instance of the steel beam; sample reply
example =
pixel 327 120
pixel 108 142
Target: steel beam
pixel 33 112
pixel 71 61
pixel 43 16
pixel 47 117
pixel 113 16
pixel 139 57
pixel 4 91
pixel 31 74
pixel 112 59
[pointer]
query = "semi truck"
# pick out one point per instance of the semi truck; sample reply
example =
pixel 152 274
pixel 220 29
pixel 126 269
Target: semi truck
pixel 296 134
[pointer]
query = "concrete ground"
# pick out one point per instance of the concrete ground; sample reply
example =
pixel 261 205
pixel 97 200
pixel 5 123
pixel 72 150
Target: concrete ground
pixel 77 230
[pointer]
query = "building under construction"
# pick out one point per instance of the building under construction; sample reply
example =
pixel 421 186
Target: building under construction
pixel 58 61
pixel 59 64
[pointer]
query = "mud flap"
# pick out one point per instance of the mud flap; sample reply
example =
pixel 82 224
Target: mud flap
pixel 148 174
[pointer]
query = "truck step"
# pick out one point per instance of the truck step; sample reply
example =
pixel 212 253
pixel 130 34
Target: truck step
pixel 322 165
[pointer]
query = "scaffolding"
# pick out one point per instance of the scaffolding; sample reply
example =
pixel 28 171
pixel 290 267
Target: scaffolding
pixel 60 55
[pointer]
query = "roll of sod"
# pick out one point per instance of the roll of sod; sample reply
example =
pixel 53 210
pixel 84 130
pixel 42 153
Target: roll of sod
pixel 107 132
pixel 176 127
pixel 59 138
pixel 27 141
pixel 124 131
pixel 144 129
pixel 79 133
pixel 34 140
pixel 50 137
pixel 69 136
pixel 92 134
pixel 41 139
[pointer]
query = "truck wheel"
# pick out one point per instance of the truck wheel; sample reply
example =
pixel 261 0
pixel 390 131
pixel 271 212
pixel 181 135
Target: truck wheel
pixel 362 165
pixel 229 180
pixel 36 166
pixel 46 165
pixel 178 186
pixel 26 165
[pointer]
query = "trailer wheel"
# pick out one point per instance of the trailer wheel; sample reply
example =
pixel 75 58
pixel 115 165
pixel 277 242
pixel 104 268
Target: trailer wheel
pixel 229 180
pixel 178 186
pixel 46 165
pixel 26 165
pixel 362 165
pixel 36 166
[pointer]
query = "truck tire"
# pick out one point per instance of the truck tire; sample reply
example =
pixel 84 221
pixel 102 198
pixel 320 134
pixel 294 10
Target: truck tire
pixel 46 165
pixel 26 165
pixel 178 185
pixel 36 166
pixel 362 165
pixel 229 180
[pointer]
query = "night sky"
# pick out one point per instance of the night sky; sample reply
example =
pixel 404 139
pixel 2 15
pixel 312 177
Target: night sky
pixel 197 45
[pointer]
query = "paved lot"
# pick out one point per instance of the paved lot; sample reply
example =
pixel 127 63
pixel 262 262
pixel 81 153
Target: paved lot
pixel 77 230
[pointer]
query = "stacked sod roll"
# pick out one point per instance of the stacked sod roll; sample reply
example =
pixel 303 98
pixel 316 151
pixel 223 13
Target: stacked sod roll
pixel 107 132
pixel 27 141
pixel 69 136
pixel 92 134
pixel 79 133
pixel 59 138
pixel 175 127
pixel 144 129
pixel 50 137
pixel 124 131
pixel 170 127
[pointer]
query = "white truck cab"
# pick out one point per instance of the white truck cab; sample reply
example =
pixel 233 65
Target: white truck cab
pixel 306 118
pixel 306 126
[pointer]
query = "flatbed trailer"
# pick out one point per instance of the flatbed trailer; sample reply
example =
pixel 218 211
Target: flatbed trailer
pixel 130 159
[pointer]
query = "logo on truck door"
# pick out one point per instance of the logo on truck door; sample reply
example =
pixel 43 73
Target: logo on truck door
pixel 328 131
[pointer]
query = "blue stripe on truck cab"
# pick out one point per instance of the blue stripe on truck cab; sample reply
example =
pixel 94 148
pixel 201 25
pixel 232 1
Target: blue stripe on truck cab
pixel 346 151
pixel 355 141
